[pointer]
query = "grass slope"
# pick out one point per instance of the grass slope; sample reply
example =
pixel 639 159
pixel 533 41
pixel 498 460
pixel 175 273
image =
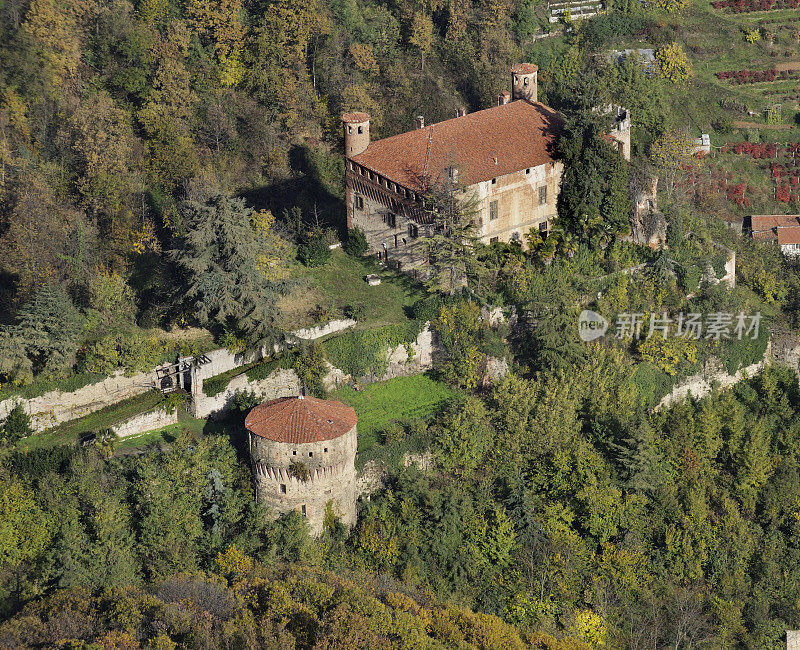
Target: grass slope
pixel 396 399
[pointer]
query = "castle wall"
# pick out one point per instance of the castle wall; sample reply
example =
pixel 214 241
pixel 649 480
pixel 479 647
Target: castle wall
pixel 517 196
pixel 331 464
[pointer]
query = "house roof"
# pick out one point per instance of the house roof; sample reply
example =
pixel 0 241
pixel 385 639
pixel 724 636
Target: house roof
pixel 764 222
pixel 481 146
pixel 300 419
pixel 524 68
pixel 783 228
pixel 788 235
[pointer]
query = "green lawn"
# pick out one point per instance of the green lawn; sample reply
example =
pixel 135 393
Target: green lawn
pixel 397 399
pixel 341 280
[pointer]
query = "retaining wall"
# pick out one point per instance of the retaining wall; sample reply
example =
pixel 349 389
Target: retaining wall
pixel 145 422
pixel 281 383
pixel 55 407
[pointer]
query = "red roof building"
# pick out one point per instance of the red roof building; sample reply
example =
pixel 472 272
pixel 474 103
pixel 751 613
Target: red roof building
pixel 781 229
pixel 501 160
pixel 298 420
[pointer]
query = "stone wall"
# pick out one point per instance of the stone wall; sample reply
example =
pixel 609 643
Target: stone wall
pixel 420 360
pixel 55 407
pixel 332 477
pixel 331 327
pixel 281 383
pixel 143 422
pixel 713 374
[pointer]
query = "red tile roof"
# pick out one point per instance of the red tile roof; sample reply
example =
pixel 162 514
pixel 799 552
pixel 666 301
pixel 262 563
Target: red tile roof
pixel 760 222
pixel 300 419
pixel 481 146
pixel 524 68
pixel 788 235
pixel 355 117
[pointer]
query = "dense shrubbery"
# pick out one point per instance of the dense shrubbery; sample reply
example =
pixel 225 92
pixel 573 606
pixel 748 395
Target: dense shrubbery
pixel 364 351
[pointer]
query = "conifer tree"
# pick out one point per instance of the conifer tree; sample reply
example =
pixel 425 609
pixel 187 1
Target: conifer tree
pixel 218 257
pixel 594 190
pixel 49 327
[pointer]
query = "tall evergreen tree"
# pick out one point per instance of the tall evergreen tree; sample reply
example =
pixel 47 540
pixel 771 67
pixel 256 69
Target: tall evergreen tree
pixel 49 327
pixel 218 256
pixel 594 189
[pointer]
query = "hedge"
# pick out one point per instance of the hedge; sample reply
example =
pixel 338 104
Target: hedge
pixel 41 386
pixel 363 351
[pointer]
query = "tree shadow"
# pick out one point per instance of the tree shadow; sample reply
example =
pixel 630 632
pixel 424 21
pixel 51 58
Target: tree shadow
pixel 317 188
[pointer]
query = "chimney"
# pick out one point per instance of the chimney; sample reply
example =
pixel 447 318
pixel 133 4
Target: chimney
pixel 461 111
pixel 503 98
pixel 419 122
pixel 356 133
pixel 524 83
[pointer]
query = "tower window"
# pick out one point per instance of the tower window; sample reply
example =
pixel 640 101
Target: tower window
pixel 361 128
pixel 303 509
pixel 543 195
pixel 349 129
pixel 413 231
pixel 524 83
pixel 494 181
pixel 283 488
pixel 391 220
pixel 527 171
pixel 359 203
pixel 310 454
pixel 492 210
pixel 326 450
pixel 294 453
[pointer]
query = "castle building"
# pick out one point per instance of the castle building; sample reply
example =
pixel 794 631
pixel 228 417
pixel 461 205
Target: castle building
pixel 502 159
pixel 303 453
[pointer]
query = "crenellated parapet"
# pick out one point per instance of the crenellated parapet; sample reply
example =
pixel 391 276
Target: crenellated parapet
pixel 284 474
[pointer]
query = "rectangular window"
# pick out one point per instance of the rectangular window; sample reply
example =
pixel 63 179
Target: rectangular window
pixel 395 241
pixel 310 454
pixel 543 226
pixel 391 220
pixel 528 171
pixel 413 230
pixel 294 453
pixel 494 181
pixel 543 195
pixel 492 210
pixel 326 450
pixel 283 488
pixel 303 509
pixel 359 203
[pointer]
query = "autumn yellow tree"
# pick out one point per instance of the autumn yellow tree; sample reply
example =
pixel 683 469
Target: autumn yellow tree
pixel 421 35
pixel 670 153
pixel 673 64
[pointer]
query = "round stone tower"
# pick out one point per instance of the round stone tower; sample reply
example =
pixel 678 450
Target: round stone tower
pixel 356 133
pixel 303 453
pixel 524 83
